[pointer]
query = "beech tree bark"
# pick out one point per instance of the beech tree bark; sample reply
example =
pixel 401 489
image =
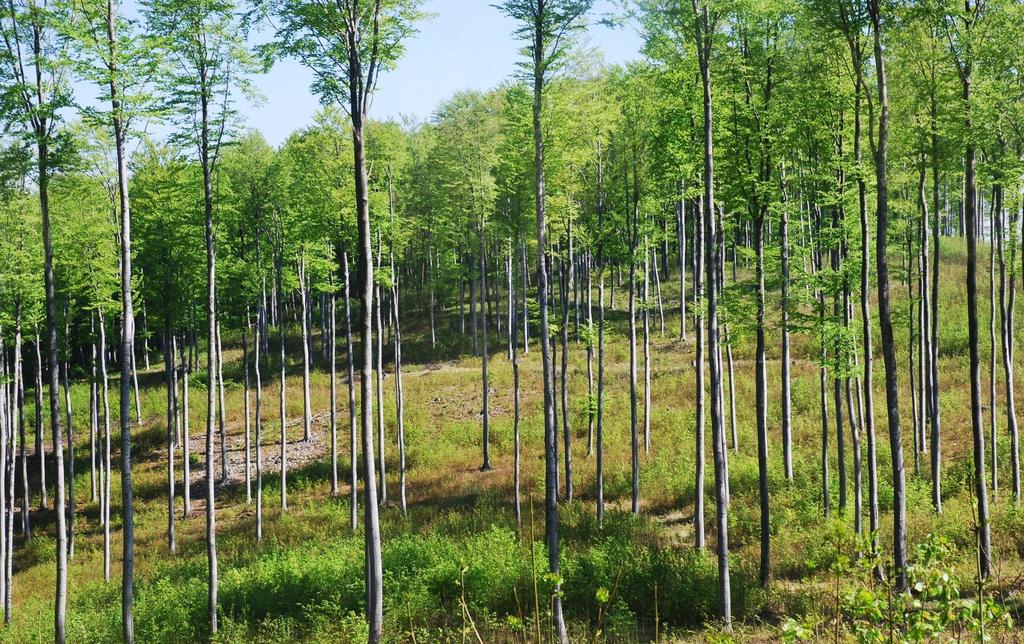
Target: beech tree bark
pixel 885 317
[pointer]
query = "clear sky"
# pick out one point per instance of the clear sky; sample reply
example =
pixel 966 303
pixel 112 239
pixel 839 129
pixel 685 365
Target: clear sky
pixel 467 45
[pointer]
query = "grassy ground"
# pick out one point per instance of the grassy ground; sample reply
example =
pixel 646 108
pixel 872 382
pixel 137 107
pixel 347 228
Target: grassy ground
pixel 458 562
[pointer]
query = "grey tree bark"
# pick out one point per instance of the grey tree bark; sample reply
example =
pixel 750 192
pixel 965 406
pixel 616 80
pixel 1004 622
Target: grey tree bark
pixel 307 414
pixel 257 348
pixel 172 418
pixel 704 35
pixel 784 358
pixel 1007 303
pixel 485 385
pixel 350 358
pixel 700 411
pixel 186 465
pixel 282 384
pixel 105 447
pixel 885 317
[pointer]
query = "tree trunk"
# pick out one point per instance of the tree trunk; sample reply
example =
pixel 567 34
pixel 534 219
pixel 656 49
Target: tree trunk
pixel 513 326
pixel 257 347
pixel 550 424
pixel 70 458
pixel 350 357
pixel 647 349
pixel 60 597
pixel 700 412
pixel 307 414
pixel 633 394
pixel 400 392
pixel 332 358
pixel 378 303
pixel 105 446
pixel 40 448
pixel 704 36
pixel 485 385
pixel 732 389
pixel 94 411
pixel 993 425
pixel 600 397
pixel 826 496
pixel 936 452
pixel 282 387
pixel 373 568
pixel 885 318
pixel 247 442
pixel 186 465
pixel 6 430
pixel 590 354
pixel 784 359
pixel 172 417
pixel 761 377
pixel 221 409
pixel 212 361
pixel 681 239
pixel 1007 302
pixel 564 381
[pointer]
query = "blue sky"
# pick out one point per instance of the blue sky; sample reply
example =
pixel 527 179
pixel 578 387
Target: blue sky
pixel 467 45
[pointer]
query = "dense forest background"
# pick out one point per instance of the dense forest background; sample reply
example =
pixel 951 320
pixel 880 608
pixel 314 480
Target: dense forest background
pixel 718 344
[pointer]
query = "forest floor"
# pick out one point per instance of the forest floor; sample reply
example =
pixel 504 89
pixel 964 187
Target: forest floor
pixel 457 566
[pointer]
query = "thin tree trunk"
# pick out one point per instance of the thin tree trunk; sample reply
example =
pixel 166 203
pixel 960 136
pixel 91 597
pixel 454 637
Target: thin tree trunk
pixel 186 445
pixel 992 408
pixel 246 411
pixel 257 347
pixel 633 420
pixel 282 386
pixel 350 357
pixel 172 417
pixel 307 414
pixel 6 429
pixel 885 318
pixel 700 412
pixel 732 388
pixel 761 378
pixel 564 382
pixel 378 302
pixel 60 595
pixel 399 391
pixel 221 409
pixel 105 446
pixel 600 397
pixel 94 411
pixel 70 456
pixel 374 567
pixel 513 325
pixel 681 239
pixel 590 355
pixel 1007 302
pixel 647 350
pixel 333 361
pixel 485 385
pixel 550 423
pixel 40 449
pixel 936 454
pixel 784 359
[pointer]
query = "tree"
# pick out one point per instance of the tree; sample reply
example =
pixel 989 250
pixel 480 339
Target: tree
pixel 204 46
pixel 961 25
pixel 885 317
pixel 122 66
pixel 348 45
pixel 35 83
pixel 547 25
